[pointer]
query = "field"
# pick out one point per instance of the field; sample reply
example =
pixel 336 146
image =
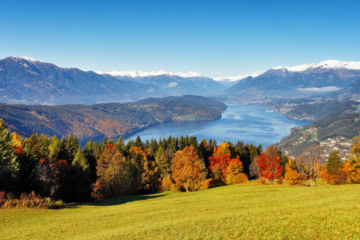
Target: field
pixel 229 212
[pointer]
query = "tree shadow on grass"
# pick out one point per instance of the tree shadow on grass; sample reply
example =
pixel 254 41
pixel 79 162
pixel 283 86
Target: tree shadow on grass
pixel 125 199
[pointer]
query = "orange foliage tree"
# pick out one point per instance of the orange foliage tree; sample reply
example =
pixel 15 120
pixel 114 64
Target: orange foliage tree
pixel 187 169
pixel 292 176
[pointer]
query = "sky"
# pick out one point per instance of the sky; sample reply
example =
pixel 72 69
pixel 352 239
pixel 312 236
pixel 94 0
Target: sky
pixel 214 38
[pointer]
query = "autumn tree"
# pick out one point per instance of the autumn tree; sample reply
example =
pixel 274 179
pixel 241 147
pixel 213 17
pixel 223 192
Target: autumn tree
pixel 308 162
pixel 352 166
pixel 114 175
pixel 219 161
pixel 187 169
pixel 234 172
pixel 292 176
pixel 269 163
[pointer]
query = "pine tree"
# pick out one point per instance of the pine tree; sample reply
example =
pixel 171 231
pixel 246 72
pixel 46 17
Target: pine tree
pixel 162 162
pixel 120 144
pixel 72 145
pixel 9 165
pixel 334 163
pixel 54 148
pixel 81 181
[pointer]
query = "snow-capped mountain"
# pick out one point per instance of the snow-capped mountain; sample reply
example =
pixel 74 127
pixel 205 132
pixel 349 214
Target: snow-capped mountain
pixel 329 64
pixel 26 80
pixel 140 74
pixel 297 81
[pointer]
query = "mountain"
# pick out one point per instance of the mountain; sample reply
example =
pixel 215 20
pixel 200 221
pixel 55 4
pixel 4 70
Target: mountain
pixel 28 81
pixel 107 119
pixel 297 81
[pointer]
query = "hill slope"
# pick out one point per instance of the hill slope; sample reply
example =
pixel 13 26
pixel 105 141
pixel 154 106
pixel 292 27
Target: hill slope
pixel 230 212
pixel 109 119
pixel 333 120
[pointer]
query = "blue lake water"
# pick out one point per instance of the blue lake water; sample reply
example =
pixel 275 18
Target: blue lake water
pixel 247 123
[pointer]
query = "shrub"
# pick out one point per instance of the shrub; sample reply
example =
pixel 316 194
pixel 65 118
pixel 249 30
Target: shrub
pixel 262 181
pixel 31 200
pixel 236 179
pixel 210 183
pixel 279 181
pixel 336 178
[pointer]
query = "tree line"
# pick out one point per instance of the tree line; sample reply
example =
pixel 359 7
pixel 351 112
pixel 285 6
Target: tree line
pixel 62 169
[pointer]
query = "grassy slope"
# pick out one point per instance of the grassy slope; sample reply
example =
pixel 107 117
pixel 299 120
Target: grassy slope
pixel 239 211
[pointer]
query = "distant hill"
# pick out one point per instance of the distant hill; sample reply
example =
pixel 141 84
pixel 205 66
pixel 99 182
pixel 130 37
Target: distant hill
pixel 295 82
pixel 28 81
pixel 107 119
pixel 351 92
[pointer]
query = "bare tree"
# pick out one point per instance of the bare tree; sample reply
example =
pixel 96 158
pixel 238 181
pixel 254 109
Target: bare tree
pixel 308 161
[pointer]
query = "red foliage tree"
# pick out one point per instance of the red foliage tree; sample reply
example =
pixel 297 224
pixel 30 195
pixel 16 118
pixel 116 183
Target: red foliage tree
pixel 269 166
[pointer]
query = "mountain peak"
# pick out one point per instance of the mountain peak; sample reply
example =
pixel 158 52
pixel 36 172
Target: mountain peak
pixel 140 74
pixel 25 58
pixel 329 64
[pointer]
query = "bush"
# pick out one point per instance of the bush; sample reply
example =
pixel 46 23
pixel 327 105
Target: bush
pixel 279 181
pixel 262 181
pixel 236 179
pixel 336 178
pixel 31 200
pixel 210 183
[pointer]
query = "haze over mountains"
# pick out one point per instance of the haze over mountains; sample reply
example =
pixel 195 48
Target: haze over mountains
pixel 28 81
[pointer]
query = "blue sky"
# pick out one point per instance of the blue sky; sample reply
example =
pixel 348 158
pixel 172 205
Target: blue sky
pixel 209 37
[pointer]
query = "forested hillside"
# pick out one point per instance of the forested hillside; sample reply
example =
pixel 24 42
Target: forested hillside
pixel 333 120
pixel 111 120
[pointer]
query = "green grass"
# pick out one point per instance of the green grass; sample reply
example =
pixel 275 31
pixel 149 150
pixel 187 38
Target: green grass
pixel 229 212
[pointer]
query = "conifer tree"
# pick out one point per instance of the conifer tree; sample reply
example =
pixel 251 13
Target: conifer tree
pixel 81 181
pixel 334 163
pixel 162 162
pixel 9 165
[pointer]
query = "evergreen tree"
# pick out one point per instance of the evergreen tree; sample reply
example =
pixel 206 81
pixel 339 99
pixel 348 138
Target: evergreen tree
pixel 334 163
pixel 72 145
pixel 9 165
pixel 54 148
pixel 162 162
pixel 81 181
pixel 120 145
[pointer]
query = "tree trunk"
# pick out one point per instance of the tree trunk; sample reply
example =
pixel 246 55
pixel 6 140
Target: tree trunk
pixel 186 187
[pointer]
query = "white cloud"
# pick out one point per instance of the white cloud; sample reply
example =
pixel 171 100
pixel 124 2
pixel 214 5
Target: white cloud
pixel 322 89
pixel 172 84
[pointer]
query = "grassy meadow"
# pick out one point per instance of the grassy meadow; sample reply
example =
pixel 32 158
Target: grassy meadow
pixel 231 212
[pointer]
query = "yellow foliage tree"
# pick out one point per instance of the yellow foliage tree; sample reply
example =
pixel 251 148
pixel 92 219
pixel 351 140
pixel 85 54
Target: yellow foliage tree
pixel 187 169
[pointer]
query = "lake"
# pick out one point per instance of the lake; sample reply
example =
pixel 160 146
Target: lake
pixel 247 123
